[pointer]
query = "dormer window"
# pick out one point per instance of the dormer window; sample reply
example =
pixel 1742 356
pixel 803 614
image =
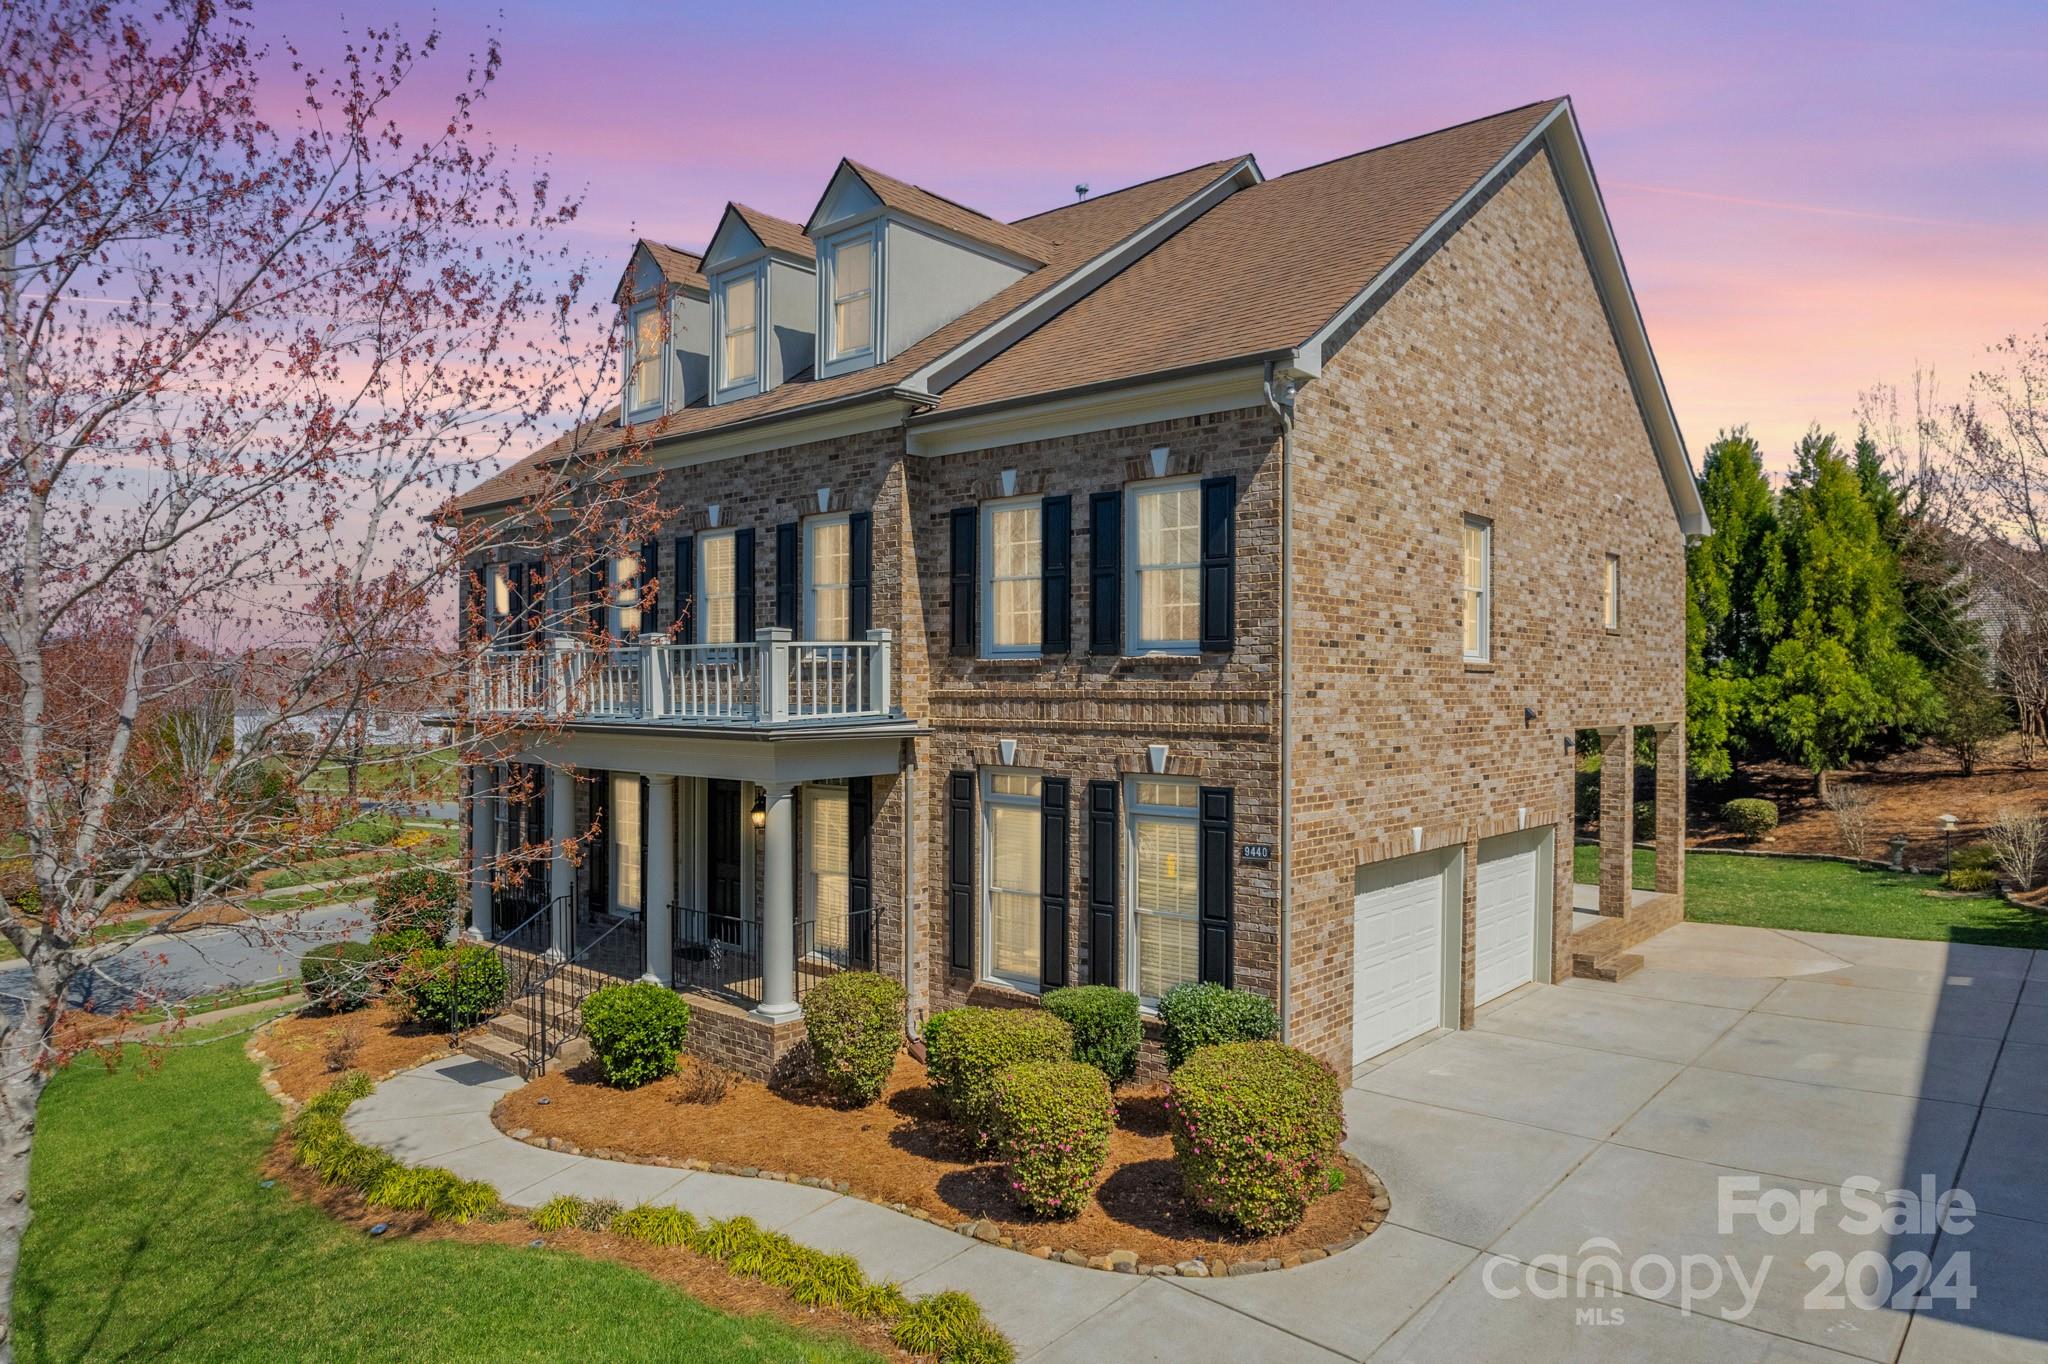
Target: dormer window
pixel 851 266
pixel 740 331
pixel 644 381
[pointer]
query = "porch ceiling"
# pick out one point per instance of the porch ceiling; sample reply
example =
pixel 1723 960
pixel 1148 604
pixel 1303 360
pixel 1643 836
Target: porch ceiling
pixel 764 755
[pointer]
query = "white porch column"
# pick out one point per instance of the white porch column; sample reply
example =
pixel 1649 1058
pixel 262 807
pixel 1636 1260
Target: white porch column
pixel 778 906
pixel 482 819
pixel 561 873
pixel 658 896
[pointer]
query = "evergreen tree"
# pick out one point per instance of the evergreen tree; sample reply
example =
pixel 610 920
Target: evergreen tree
pixel 1937 632
pixel 1723 645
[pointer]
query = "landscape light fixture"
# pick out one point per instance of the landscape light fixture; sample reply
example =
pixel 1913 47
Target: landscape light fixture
pixel 1948 828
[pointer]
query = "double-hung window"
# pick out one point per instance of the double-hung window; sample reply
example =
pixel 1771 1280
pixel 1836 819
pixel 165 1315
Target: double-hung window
pixel 826 877
pixel 1478 589
pixel 853 297
pixel 1610 592
pixel 717 588
pixel 626 574
pixel 740 316
pixel 828 578
pixel 1165 886
pixel 499 581
pixel 1014 870
pixel 1014 536
pixel 1166 567
pixel 645 385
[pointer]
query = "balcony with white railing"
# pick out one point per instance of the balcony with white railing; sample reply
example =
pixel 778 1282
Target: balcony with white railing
pixel 774 680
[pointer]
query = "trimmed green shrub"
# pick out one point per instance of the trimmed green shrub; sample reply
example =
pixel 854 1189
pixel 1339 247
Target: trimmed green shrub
pixel 401 943
pixel 1105 1024
pixel 1204 1014
pixel 422 898
pixel 339 976
pixel 153 888
pixel 452 987
pixel 1749 818
pixel 1052 1122
pixel 636 1031
pixel 950 1326
pixel 1971 879
pixel 965 1052
pixel 1256 1127
pixel 1645 817
pixel 1973 857
pixel 855 1023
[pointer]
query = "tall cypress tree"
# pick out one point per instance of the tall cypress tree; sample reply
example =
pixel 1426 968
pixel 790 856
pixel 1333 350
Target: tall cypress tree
pixel 1724 647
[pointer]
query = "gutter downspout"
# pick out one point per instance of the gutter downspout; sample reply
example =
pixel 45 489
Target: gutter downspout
pixel 910 976
pixel 1283 409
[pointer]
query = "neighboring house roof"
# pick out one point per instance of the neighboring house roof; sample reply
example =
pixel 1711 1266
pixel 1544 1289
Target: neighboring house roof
pixel 1278 270
pixel 777 234
pixel 916 202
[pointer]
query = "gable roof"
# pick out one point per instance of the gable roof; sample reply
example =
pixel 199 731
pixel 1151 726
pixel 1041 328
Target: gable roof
pixel 679 269
pixel 777 234
pixel 916 202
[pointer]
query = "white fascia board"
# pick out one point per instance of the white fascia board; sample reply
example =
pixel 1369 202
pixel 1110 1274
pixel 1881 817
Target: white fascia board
pixel 1223 390
pixel 1559 131
pixel 779 432
pixel 1014 326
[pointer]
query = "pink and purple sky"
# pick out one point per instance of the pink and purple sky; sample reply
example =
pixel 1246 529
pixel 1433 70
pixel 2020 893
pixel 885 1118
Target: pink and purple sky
pixel 1812 199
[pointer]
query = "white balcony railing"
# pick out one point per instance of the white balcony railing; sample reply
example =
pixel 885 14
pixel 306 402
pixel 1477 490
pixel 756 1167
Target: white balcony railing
pixel 773 680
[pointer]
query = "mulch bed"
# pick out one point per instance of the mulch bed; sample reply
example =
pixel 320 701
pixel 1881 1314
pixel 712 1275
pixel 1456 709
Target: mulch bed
pixel 705 1280
pixel 906 1150
pixel 298 1047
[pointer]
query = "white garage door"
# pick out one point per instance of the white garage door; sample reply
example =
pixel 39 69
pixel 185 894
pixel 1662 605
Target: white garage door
pixel 1504 928
pixel 1397 986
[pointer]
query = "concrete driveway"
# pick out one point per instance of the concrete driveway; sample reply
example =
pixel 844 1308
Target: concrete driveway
pixel 1590 1128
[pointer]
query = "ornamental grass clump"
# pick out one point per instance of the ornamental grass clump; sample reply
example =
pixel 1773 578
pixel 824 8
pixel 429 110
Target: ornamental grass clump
pixel 965 1048
pixel 1256 1129
pixel 1204 1014
pixel 855 1024
pixel 1052 1122
pixel 636 1031
pixel 949 1326
pixel 1106 1028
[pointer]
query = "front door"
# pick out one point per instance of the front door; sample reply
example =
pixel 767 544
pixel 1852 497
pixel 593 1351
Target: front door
pixel 724 865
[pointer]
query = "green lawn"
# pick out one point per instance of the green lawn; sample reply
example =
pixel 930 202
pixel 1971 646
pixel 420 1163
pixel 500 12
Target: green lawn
pixel 1834 897
pixel 438 848
pixel 422 776
pixel 152 1240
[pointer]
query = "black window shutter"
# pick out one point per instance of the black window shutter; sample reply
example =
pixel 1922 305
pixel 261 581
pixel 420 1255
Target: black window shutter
pixel 743 585
pixel 1106 573
pixel 533 597
pixel 465 603
pixel 1052 884
pixel 515 606
pixel 966 577
pixel 1212 869
pixel 785 575
pixel 594 585
pixel 860 581
pixel 1219 563
pixel 860 876
pixel 686 585
pixel 1103 839
pixel 1056 572
pixel 650 572
pixel 960 869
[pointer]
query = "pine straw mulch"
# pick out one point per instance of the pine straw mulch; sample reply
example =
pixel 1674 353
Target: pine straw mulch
pixel 707 1281
pixel 297 1047
pixel 906 1150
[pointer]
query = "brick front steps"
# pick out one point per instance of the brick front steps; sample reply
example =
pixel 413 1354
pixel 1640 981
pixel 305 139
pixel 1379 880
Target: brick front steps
pixel 1599 951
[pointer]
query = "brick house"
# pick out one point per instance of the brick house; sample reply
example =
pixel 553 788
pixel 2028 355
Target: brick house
pixel 1205 580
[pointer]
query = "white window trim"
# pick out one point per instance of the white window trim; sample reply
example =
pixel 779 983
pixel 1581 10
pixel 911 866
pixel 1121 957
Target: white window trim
pixel 1135 644
pixel 495 619
pixel 989 800
pixel 722 389
pixel 703 598
pixel 1610 593
pixel 1133 811
pixel 1484 653
pixel 811 525
pixel 659 402
pixel 834 360
pixel 987 557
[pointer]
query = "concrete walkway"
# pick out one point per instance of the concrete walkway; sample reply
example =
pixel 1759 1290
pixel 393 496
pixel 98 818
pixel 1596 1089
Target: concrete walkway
pixel 1578 1120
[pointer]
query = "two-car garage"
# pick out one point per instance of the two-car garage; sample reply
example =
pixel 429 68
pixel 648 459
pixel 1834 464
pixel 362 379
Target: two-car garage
pixel 1408 930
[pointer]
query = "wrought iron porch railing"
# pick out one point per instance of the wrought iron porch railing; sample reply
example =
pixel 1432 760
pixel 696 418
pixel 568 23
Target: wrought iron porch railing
pixel 559 994
pixel 720 954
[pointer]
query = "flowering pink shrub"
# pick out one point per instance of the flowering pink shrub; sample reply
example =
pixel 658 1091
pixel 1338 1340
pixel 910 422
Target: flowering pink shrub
pixel 1052 1122
pixel 1256 1129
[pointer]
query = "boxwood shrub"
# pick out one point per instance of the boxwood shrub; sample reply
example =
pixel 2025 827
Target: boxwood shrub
pixel 1105 1024
pixel 1749 818
pixel 340 975
pixel 636 1031
pixel 452 987
pixel 855 1024
pixel 422 898
pixel 969 1046
pixel 1052 1122
pixel 1256 1129
pixel 1203 1014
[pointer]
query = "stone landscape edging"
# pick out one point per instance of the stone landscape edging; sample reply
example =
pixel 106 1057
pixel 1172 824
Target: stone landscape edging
pixel 982 1229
